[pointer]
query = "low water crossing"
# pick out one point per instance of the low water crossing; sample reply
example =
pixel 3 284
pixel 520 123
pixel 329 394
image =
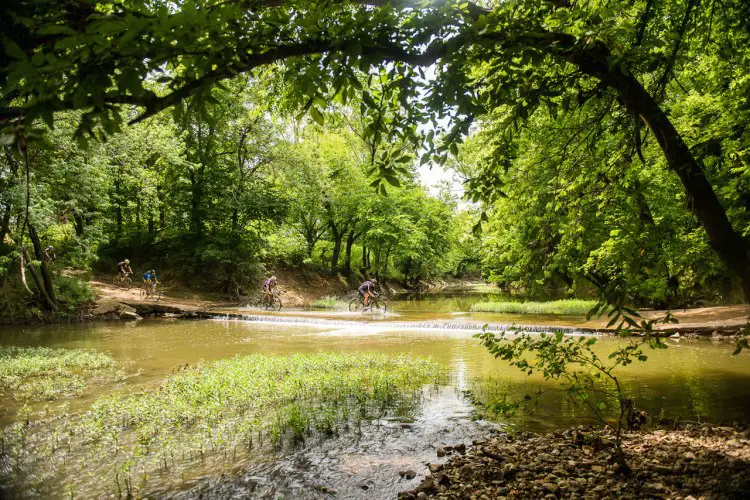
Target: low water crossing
pixel 691 380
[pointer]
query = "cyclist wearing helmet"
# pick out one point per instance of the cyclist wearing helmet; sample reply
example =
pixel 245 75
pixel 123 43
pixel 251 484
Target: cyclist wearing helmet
pixel 125 268
pixel 268 287
pixel 367 290
pixel 150 277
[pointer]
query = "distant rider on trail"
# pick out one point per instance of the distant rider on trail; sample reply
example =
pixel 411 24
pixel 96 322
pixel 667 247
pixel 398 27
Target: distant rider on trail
pixel 367 290
pixel 125 268
pixel 268 287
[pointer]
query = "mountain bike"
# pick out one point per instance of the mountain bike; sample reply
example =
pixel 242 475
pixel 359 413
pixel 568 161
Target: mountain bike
pixel 272 301
pixel 121 281
pixel 150 291
pixel 376 305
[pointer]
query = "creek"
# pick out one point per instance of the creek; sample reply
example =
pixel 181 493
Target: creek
pixel 691 380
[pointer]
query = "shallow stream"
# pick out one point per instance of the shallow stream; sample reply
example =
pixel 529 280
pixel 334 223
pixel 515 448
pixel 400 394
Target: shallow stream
pixel 691 380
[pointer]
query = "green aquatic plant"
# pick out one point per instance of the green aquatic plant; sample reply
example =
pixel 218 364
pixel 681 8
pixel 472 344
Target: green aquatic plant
pixel 41 373
pixel 567 307
pixel 213 412
pixel 590 381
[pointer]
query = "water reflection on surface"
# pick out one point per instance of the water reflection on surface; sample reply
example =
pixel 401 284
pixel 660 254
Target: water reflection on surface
pixel 692 379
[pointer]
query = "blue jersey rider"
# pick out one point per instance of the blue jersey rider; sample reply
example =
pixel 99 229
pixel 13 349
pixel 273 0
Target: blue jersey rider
pixel 150 278
pixel 367 290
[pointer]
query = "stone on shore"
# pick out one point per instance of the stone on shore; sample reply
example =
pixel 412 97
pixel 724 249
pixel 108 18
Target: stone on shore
pixel 696 461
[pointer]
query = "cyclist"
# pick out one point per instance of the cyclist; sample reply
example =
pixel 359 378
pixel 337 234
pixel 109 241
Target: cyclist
pixel 125 268
pixel 268 287
pixel 367 290
pixel 150 279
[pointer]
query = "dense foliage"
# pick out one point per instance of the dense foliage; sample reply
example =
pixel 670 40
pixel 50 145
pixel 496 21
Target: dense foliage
pixel 215 195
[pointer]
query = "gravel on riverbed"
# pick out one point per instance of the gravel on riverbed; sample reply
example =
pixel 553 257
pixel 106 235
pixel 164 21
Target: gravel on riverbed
pixel 697 461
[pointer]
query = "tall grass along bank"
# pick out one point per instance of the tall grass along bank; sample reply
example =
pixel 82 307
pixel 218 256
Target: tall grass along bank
pixel 568 307
pixel 210 415
pixel 39 373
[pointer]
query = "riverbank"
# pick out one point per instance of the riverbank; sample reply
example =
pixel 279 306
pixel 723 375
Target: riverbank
pixel 115 303
pixel 696 461
pixel 300 290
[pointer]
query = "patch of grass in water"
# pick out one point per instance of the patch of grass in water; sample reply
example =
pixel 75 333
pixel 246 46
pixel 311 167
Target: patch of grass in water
pixel 208 414
pixel 567 307
pixel 41 373
pixel 329 302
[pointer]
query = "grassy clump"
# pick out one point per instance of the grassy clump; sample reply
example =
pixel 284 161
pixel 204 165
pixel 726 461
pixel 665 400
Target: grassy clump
pixel 329 302
pixel 213 412
pixel 567 307
pixel 40 373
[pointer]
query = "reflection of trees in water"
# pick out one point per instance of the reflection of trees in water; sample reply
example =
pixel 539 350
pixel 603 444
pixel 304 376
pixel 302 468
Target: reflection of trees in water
pixel 681 393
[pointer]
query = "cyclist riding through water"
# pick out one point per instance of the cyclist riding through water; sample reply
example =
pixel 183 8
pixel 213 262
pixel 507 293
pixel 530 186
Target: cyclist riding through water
pixel 268 287
pixel 125 268
pixel 367 290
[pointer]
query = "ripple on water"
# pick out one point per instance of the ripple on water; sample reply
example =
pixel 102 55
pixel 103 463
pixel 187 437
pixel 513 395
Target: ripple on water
pixel 359 463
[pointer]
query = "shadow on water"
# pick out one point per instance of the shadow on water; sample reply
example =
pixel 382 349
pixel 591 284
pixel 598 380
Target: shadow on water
pixel 693 379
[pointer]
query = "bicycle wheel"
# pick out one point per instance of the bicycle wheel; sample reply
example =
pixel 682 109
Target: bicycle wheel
pixel 127 283
pixel 355 305
pixel 378 306
pixel 116 281
pixel 143 293
pixel 156 295
pixel 276 303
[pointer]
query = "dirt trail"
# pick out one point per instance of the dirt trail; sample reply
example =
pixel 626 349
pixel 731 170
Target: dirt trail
pixel 707 317
pixel 106 292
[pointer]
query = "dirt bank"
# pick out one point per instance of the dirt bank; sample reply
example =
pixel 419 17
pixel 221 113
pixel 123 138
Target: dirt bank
pixel 693 462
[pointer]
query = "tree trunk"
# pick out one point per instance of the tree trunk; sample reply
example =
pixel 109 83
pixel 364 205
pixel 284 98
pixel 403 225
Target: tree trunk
pixel 337 240
pixel 196 200
pixel 162 212
pixel 39 284
pixel 350 238
pixel 118 207
pixel 596 60
pixel 78 223
pixel 46 275
pixel 5 223
pixel 310 245
pixel 702 199
pixel 138 212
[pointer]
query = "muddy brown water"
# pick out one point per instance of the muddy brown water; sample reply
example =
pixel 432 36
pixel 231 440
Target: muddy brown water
pixel 692 380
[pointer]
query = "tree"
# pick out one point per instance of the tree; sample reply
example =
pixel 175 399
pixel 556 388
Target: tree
pixel 523 56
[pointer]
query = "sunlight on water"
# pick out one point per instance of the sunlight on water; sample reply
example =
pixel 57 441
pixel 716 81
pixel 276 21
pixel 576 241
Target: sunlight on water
pixel 692 379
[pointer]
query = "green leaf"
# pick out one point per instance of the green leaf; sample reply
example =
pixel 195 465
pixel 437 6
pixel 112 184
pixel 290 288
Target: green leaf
pixel 12 50
pixel 56 29
pixel 7 139
pixel 393 181
pixel 317 116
